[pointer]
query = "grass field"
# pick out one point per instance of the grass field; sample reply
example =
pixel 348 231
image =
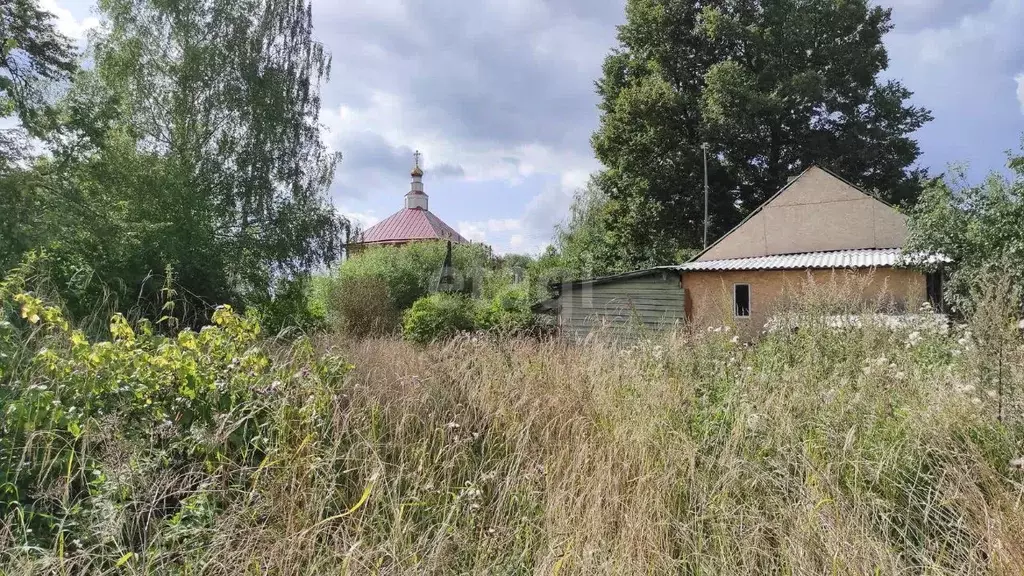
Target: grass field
pixel 864 451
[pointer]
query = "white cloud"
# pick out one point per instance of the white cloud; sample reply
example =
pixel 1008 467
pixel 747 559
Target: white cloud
pixel 399 127
pixel 67 24
pixel 1020 90
pixel 363 219
pixel 472 231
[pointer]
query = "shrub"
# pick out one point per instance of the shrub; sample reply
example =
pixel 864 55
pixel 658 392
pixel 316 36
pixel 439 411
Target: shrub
pixel 362 307
pixel 510 311
pixel 287 306
pixel 438 317
pixel 91 429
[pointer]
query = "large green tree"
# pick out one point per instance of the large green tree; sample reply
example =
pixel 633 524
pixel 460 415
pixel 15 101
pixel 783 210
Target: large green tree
pixel 772 86
pixel 33 54
pixel 978 228
pixel 34 57
pixel 194 144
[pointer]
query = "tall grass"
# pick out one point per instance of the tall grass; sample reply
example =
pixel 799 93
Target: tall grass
pixel 862 451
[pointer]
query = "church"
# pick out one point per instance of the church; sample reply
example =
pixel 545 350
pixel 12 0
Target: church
pixel 413 223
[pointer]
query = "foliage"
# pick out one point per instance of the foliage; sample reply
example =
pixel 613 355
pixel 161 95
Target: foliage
pixel 772 87
pixel 33 55
pixel 509 312
pixel 408 272
pixel 584 241
pixel 362 306
pixel 689 454
pixel 977 227
pixel 438 317
pixel 287 307
pixel 192 142
pixel 188 404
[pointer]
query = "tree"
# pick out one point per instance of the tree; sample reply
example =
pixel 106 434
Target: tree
pixel 772 85
pixel 194 144
pixel 33 55
pixel 978 228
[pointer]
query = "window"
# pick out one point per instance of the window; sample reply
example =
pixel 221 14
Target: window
pixel 741 300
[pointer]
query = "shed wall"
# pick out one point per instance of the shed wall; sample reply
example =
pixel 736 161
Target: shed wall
pixel 653 302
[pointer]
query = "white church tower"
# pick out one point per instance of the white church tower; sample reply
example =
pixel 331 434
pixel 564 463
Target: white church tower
pixel 416 199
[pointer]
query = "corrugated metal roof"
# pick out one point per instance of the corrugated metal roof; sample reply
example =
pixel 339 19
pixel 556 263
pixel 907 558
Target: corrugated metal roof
pixel 410 224
pixel 613 278
pixel 839 259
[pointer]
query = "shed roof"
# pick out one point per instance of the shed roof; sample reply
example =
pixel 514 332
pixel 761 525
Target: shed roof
pixel 839 259
pixel 615 277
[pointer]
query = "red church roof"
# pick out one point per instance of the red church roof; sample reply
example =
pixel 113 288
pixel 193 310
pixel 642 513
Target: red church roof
pixel 410 224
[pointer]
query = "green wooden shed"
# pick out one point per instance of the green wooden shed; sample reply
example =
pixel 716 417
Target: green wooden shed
pixel 651 300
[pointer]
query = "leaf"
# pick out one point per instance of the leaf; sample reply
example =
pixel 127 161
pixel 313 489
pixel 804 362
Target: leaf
pixel 362 500
pixel 124 559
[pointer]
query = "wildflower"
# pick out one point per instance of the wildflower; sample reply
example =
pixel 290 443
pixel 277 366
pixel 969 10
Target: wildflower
pixel 914 339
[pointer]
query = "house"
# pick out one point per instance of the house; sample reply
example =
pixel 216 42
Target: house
pixel 818 228
pixel 413 223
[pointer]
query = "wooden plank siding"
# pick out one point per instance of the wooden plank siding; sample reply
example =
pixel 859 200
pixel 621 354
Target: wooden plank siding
pixel 654 302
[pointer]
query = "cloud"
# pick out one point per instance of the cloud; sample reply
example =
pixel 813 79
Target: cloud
pixel 1020 90
pixel 67 24
pixel 490 90
pixel 957 62
pixel 489 230
pixel 472 231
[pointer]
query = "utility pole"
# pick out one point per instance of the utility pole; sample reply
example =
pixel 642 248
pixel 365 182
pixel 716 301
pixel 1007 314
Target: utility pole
pixel 705 147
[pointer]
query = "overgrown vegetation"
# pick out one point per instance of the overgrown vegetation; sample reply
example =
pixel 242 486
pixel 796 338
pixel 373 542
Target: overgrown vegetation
pixel 192 140
pixel 372 293
pixel 977 227
pixel 863 451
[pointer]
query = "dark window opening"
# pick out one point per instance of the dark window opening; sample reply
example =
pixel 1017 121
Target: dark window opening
pixel 741 300
pixel 934 287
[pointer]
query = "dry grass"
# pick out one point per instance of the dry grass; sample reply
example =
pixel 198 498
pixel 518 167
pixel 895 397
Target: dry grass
pixel 811 453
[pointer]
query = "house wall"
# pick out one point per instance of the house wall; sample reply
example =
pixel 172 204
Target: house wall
pixel 817 212
pixel 709 295
pixel 654 302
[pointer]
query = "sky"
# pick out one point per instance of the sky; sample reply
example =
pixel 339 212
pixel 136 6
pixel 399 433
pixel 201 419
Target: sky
pixel 499 97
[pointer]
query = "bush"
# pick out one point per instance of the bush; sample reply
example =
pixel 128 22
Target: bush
pixel 92 430
pixel 408 273
pixel 287 306
pixel 439 317
pixel 362 307
pixel 510 311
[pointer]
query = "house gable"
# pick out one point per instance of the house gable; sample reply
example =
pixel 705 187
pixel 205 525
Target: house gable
pixel 816 212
